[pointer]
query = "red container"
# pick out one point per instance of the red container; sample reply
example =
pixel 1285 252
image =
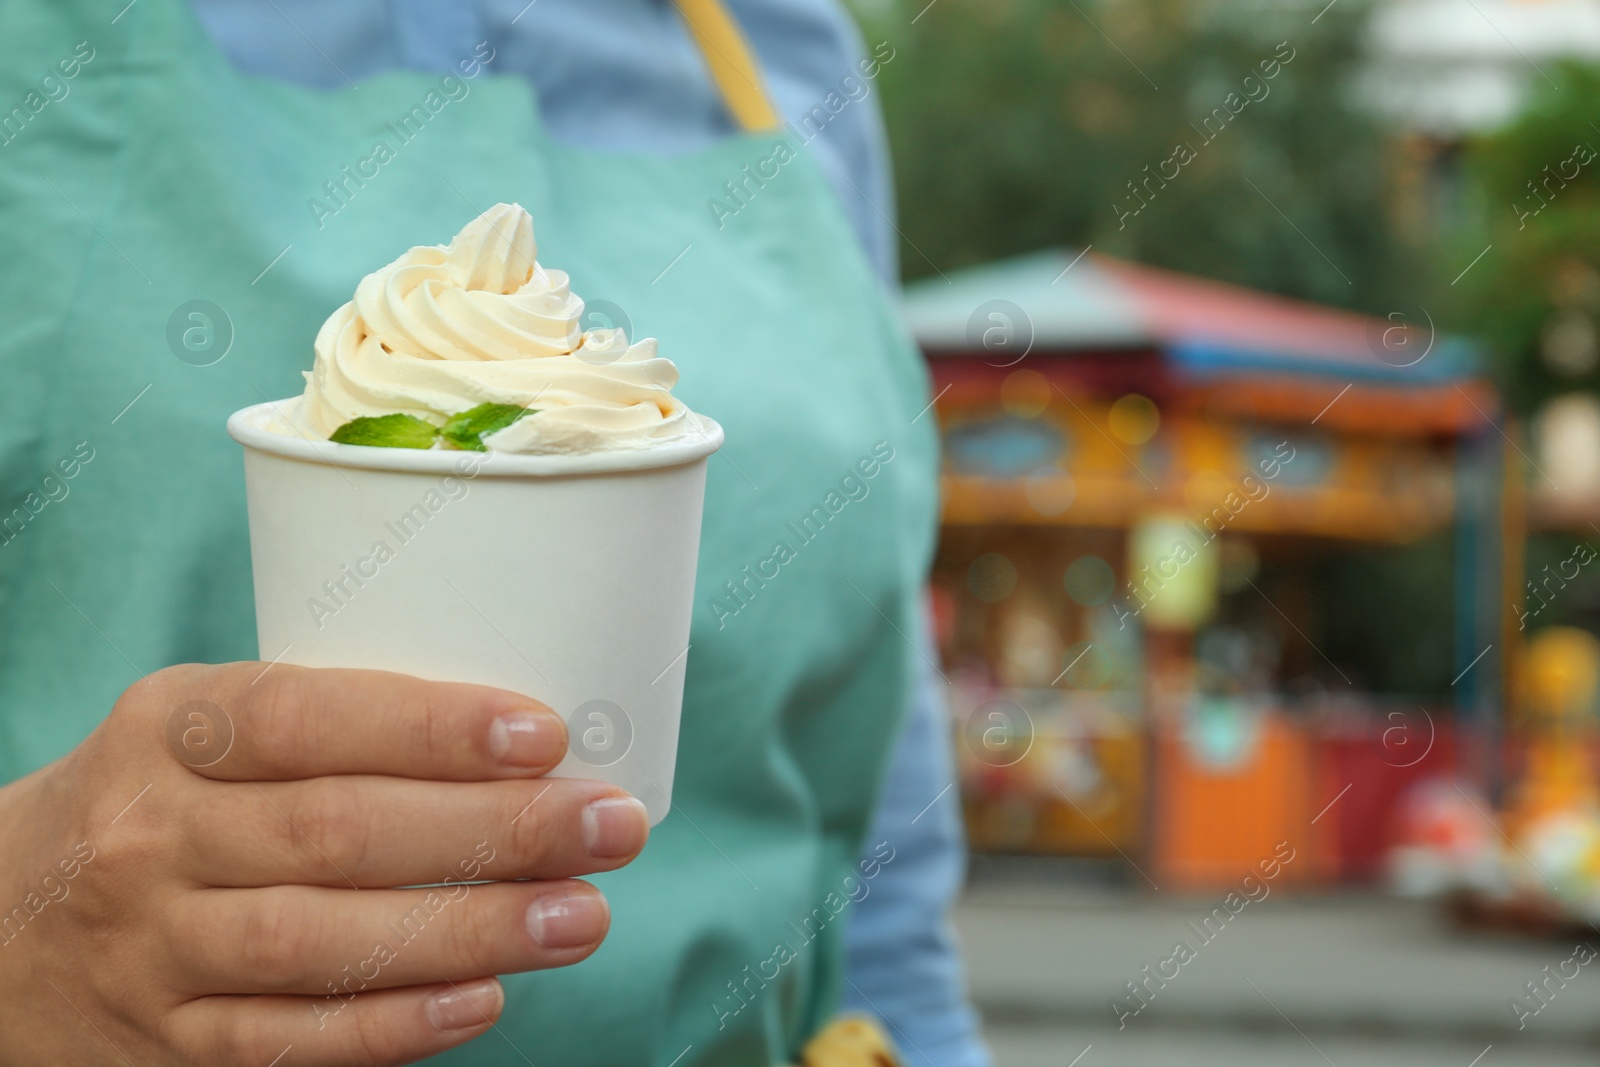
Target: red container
pixel 1363 766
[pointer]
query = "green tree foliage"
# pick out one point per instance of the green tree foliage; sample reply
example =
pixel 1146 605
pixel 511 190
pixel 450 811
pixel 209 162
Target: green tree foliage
pixel 1019 124
pixel 1387 615
pixel 1538 206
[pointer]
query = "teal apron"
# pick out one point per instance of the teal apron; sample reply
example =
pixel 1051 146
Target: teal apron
pixel 164 266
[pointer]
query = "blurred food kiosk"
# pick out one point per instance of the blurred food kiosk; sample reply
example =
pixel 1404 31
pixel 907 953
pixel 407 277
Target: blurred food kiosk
pixel 1124 447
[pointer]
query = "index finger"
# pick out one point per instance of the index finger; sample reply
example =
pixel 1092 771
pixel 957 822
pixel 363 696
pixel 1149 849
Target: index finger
pixel 301 722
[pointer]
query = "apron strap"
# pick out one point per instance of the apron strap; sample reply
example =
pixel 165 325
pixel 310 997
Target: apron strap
pixel 733 64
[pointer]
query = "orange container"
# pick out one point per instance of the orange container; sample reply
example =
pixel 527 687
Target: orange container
pixel 1216 818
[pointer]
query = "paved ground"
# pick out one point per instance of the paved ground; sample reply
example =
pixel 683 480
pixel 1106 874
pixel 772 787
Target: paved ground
pixel 1342 980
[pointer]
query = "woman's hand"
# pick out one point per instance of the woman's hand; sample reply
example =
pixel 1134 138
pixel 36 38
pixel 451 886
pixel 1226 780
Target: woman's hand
pixel 208 878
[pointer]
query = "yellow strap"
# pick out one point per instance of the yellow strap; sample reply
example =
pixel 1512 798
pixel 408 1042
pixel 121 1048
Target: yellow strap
pixel 732 63
pixel 850 1041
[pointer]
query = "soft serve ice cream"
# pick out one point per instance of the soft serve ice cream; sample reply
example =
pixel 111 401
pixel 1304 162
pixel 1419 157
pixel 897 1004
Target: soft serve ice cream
pixel 478 330
pixel 575 542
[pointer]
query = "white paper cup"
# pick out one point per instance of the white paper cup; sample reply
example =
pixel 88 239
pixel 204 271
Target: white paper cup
pixel 569 578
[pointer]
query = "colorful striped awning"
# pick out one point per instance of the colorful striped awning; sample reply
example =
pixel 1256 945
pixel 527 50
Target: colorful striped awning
pixel 1071 301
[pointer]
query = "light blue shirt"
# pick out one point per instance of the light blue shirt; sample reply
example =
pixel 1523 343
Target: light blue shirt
pixel 624 75
pixel 620 74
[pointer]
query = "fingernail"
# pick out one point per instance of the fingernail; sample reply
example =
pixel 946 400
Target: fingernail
pixel 614 826
pixel 569 919
pixel 534 739
pixel 464 1006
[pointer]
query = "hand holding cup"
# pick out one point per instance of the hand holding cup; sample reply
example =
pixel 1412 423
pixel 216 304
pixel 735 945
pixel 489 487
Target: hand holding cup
pixel 236 836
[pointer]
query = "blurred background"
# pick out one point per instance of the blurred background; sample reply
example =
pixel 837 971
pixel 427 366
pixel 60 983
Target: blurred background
pixel 1265 348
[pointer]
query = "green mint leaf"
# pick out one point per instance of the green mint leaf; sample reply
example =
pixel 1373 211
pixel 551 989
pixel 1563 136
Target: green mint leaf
pixel 467 429
pixel 386 431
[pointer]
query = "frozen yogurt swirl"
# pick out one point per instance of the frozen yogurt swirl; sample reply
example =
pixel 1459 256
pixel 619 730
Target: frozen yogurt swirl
pixel 444 329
